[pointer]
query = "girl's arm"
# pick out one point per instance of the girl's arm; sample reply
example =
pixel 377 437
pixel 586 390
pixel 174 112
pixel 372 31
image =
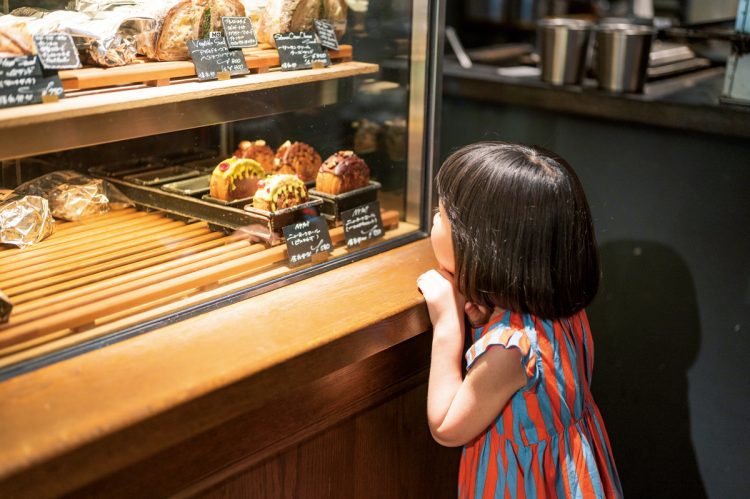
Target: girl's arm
pixel 460 409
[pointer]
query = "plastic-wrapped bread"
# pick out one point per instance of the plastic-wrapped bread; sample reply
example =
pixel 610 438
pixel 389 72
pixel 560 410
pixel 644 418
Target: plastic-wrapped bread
pixel 284 16
pixel 191 20
pixel 15 39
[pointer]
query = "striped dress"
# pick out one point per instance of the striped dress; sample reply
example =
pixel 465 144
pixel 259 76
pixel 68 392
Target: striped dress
pixel 549 440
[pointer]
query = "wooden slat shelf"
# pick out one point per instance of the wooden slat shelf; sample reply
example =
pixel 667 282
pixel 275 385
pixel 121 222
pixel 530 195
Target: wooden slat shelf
pixel 122 265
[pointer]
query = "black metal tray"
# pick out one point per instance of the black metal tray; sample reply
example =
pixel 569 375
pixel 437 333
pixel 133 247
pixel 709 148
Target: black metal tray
pixel 123 168
pixel 237 203
pixel 272 223
pixel 162 175
pixel 186 208
pixel 196 186
pixel 334 204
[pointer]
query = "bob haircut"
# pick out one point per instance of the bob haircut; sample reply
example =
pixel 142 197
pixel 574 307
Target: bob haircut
pixel 522 232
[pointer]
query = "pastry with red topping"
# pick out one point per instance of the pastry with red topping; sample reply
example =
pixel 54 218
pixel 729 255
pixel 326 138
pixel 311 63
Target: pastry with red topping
pixel 299 158
pixel 257 150
pixel 236 178
pixel 342 172
pixel 278 192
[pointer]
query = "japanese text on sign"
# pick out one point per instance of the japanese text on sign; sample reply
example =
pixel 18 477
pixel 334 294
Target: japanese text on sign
pixel 300 50
pixel 362 224
pixel 305 239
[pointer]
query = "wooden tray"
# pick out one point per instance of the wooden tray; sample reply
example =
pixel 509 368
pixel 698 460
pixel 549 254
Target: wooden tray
pixel 258 59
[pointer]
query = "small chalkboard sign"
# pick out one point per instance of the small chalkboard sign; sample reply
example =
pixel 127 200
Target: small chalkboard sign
pixel 300 50
pixel 239 32
pixel 211 56
pixel 306 239
pixel 22 81
pixel 326 34
pixel 362 224
pixel 57 51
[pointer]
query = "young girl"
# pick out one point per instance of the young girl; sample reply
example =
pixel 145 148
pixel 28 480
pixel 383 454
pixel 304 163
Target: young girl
pixel 515 243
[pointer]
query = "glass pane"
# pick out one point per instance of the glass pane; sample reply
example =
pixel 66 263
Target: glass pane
pixel 167 145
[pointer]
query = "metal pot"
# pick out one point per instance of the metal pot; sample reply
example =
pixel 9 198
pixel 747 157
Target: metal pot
pixel 563 46
pixel 622 54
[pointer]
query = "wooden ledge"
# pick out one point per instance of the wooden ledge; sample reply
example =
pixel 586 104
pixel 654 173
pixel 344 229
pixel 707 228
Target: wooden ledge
pixel 77 421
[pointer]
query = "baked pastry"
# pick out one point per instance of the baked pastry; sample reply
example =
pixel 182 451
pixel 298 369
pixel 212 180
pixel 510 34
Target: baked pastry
pixel 284 16
pixel 235 178
pixel 257 150
pixel 191 20
pixel 299 158
pixel 342 172
pixel 278 192
pixel 15 40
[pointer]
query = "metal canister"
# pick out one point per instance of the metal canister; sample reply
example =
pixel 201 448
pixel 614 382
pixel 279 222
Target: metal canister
pixel 563 45
pixel 622 55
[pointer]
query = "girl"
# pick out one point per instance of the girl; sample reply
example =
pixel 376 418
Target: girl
pixel 515 243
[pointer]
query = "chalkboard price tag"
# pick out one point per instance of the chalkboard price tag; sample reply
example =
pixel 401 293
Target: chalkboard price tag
pixel 300 50
pixel 22 81
pixel 362 224
pixel 326 34
pixel 306 239
pixel 211 56
pixel 239 32
pixel 57 51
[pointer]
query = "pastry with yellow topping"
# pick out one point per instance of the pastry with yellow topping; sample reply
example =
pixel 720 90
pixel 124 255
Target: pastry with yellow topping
pixel 236 178
pixel 278 192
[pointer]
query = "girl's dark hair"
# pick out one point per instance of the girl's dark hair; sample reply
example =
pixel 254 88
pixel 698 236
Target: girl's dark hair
pixel 522 230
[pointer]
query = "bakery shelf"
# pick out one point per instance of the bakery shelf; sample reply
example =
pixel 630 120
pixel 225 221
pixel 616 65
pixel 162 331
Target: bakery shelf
pixel 95 277
pixel 87 118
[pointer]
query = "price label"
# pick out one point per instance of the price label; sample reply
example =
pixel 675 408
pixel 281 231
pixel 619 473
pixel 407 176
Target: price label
pixel 300 50
pixel 239 32
pixel 306 239
pixel 22 82
pixel 211 56
pixel 326 34
pixel 57 51
pixel 362 224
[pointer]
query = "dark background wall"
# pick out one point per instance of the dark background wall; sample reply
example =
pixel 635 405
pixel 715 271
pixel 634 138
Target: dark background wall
pixel 672 319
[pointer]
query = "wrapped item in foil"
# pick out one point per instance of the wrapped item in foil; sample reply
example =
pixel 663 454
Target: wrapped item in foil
pixel 73 196
pixel 76 201
pixel 25 221
pixel 138 28
pixel 113 38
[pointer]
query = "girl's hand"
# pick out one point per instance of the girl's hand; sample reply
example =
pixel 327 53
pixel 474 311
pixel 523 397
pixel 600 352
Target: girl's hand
pixel 478 314
pixel 444 302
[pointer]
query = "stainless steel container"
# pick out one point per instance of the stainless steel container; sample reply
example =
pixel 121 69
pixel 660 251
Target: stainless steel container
pixel 563 47
pixel 622 55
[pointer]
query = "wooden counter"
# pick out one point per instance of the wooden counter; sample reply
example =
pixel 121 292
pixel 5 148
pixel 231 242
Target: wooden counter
pixel 316 389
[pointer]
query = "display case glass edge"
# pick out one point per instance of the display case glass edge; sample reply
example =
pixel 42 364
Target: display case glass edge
pixel 179 109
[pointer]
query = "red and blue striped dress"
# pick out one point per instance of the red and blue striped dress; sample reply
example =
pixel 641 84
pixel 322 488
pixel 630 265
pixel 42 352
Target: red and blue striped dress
pixel 549 440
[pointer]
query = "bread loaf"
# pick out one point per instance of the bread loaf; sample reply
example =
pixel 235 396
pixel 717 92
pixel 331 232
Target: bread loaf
pixel 342 172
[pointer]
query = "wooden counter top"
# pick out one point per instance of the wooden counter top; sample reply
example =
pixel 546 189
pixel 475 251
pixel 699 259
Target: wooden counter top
pixel 82 419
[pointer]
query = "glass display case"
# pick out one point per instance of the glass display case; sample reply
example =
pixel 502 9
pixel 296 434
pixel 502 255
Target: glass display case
pixel 168 243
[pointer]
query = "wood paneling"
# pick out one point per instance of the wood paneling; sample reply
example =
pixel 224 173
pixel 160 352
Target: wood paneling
pixel 209 398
